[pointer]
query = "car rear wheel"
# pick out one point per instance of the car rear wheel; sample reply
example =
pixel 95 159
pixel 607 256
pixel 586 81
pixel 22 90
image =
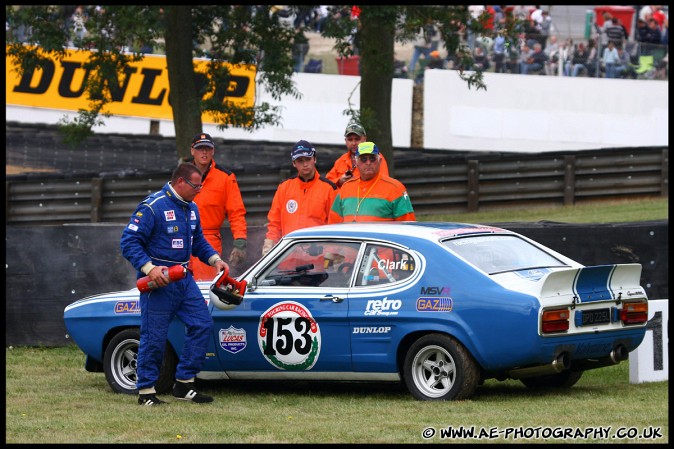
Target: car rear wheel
pixel 565 379
pixel 120 363
pixel 437 367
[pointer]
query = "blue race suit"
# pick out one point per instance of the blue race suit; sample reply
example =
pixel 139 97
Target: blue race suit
pixel 165 230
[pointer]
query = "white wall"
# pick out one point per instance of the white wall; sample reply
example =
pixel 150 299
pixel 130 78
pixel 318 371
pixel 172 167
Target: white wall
pixel 533 113
pixel 518 113
pixel 317 117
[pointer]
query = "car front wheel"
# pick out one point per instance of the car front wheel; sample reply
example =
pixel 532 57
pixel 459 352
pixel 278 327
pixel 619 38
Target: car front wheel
pixel 120 364
pixel 437 367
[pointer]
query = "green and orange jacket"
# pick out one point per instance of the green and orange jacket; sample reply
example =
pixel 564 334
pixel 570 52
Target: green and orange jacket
pixel 380 199
pixel 344 164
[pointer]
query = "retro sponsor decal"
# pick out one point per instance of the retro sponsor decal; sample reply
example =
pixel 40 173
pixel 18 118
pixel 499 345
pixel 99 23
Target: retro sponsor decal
pixel 124 307
pixel 170 215
pixel 435 304
pixel 291 206
pixel 177 244
pixel 289 336
pixel 233 339
pixel 383 306
pixel 133 227
pixel 372 330
pixel 172 229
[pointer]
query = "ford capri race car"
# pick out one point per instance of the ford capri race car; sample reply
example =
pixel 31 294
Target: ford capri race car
pixel 438 306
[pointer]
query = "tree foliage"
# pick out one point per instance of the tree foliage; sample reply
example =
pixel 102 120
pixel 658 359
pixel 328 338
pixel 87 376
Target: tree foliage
pixel 261 35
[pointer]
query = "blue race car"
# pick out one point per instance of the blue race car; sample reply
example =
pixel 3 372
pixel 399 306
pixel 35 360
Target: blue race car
pixel 438 306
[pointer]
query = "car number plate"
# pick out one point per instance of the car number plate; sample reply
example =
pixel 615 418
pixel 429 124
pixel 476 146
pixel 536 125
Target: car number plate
pixel 596 316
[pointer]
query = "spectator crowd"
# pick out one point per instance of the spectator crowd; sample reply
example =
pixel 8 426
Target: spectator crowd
pixel 539 48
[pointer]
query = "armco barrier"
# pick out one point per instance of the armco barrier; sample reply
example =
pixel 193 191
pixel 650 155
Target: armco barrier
pixel 48 267
pixel 437 182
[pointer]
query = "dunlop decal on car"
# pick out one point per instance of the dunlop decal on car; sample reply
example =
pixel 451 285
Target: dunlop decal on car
pixel 289 336
pixel 233 339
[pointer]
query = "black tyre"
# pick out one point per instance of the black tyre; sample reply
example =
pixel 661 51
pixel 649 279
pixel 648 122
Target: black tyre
pixel 439 368
pixel 565 379
pixel 120 362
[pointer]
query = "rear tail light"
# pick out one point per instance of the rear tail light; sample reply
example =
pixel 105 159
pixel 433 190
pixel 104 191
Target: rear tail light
pixel 555 321
pixel 634 313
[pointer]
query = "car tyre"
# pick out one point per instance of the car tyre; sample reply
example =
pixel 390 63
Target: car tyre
pixel 120 363
pixel 438 368
pixel 565 379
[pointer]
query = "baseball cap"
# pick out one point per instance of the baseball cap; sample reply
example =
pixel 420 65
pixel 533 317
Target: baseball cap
pixel 201 140
pixel 354 128
pixel 302 149
pixel 367 148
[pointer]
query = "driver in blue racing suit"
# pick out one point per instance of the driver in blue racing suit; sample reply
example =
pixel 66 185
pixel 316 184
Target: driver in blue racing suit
pixel 165 230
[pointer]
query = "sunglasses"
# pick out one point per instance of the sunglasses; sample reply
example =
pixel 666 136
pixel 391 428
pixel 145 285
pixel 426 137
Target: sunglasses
pixel 194 186
pixel 365 158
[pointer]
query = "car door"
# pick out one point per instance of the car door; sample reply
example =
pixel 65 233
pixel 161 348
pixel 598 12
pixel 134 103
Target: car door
pixel 295 318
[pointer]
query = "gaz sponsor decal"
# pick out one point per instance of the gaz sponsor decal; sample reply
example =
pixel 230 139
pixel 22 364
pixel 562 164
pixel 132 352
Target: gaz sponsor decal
pixel 441 304
pixel 383 307
pixel 289 336
pixel 233 339
pixel 124 307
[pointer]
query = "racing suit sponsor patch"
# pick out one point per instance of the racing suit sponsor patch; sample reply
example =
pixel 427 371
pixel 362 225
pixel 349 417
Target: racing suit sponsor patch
pixel 133 227
pixel 170 215
pixel 177 244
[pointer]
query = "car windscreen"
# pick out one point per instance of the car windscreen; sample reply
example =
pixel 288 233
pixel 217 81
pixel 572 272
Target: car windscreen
pixel 500 253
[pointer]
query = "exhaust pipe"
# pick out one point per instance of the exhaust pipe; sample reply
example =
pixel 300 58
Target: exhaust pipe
pixel 617 355
pixel 558 365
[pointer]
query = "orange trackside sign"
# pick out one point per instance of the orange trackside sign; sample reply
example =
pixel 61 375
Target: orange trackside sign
pixel 142 91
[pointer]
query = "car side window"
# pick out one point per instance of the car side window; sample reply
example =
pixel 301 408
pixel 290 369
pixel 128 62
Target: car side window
pixel 384 265
pixel 313 264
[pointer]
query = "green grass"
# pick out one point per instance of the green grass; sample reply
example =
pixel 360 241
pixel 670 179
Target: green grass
pixel 614 211
pixel 50 398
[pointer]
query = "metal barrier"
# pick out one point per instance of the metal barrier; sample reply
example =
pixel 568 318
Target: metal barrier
pixel 437 182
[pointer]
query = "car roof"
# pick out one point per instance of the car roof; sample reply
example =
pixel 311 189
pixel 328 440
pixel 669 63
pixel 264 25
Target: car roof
pixel 425 230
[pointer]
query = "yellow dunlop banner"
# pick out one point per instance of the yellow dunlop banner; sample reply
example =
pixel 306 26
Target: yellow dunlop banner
pixel 143 90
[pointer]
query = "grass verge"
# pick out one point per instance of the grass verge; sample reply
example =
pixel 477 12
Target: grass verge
pixel 50 398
